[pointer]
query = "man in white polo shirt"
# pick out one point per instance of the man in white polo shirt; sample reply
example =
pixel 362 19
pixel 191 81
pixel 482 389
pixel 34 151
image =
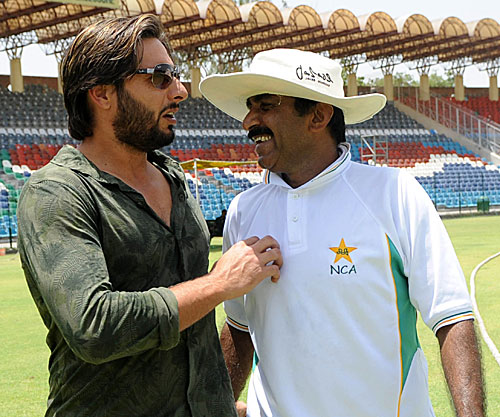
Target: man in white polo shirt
pixel 363 249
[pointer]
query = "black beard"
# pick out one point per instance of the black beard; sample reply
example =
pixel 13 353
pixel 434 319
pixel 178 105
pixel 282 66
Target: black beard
pixel 135 125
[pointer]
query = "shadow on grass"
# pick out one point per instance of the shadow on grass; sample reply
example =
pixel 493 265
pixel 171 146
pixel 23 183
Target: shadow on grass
pixel 215 246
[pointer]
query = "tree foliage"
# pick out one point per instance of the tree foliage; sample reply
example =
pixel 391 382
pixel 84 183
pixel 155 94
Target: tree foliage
pixel 399 79
pixel 436 80
pixel 209 63
pixel 402 79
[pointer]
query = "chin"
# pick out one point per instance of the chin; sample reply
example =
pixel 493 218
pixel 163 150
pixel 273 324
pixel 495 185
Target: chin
pixel 266 164
pixel 268 167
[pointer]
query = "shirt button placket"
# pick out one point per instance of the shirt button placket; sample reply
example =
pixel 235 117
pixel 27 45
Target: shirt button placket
pixel 294 211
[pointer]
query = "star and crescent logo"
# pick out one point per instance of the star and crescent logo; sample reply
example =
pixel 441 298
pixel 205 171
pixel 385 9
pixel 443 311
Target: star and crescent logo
pixel 342 251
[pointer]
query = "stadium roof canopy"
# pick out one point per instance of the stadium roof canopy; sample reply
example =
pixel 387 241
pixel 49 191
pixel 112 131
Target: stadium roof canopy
pixel 210 27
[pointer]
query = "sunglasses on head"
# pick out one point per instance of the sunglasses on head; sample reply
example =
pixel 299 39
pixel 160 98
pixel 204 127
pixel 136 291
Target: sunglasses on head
pixel 162 74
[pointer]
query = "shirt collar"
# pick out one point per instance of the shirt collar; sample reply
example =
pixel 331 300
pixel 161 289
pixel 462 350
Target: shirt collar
pixel 73 159
pixel 330 172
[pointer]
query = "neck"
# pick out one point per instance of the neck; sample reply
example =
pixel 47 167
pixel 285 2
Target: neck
pixel 311 167
pixel 116 158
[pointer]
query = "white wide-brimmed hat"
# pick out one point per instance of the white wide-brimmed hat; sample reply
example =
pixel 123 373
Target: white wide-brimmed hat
pixel 289 72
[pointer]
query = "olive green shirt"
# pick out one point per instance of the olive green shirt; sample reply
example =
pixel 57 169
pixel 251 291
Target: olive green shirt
pixel 98 262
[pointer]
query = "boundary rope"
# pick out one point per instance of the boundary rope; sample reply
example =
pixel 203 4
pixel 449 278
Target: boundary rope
pixel 491 346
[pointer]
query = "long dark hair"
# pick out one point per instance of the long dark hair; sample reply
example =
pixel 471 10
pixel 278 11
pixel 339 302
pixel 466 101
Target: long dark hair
pixel 104 53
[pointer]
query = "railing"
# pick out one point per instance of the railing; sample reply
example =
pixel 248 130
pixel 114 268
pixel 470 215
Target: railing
pixel 465 192
pixel 378 148
pixel 482 131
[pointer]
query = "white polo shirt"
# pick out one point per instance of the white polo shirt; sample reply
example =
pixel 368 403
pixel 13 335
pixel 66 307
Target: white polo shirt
pixel 363 249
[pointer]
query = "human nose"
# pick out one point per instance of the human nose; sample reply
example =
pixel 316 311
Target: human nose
pixel 250 119
pixel 176 91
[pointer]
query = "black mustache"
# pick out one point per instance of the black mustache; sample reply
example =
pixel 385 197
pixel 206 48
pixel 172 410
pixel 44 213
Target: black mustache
pixel 259 131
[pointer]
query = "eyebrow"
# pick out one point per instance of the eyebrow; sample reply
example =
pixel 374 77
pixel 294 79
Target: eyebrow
pixel 256 98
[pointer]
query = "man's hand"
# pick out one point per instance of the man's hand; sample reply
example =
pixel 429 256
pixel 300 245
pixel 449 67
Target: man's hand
pixel 238 271
pixel 246 264
pixel 241 408
pixel 462 368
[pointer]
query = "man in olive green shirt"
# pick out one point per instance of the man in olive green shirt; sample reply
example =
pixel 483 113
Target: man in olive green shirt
pixel 115 248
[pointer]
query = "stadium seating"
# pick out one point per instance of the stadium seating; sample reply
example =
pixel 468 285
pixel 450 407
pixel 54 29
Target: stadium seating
pixel 33 129
pixel 217 187
pixel 38 107
pixel 197 113
pixel 482 106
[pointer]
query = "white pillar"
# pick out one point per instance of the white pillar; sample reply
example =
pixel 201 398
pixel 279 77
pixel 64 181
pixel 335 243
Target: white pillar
pixel 388 87
pixel 195 82
pixel 59 77
pixel 352 85
pixel 16 76
pixel 459 88
pixel 493 92
pixel 424 89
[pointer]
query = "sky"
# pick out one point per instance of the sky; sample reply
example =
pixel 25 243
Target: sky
pixel 35 62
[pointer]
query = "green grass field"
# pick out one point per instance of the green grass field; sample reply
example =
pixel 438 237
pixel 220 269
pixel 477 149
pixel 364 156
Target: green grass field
pixel 24 355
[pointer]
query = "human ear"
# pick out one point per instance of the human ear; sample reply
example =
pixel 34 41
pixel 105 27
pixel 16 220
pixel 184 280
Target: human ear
pixel 101 96
pixel 321 116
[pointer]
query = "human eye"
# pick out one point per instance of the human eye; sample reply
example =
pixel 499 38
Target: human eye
pixel 265 106
pixel 269 102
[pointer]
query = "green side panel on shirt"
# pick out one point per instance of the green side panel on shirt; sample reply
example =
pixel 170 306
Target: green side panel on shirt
pixel 407 312
pixel 255 361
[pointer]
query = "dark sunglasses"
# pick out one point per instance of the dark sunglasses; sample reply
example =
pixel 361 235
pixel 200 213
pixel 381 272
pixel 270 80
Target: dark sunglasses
pixel 162 74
